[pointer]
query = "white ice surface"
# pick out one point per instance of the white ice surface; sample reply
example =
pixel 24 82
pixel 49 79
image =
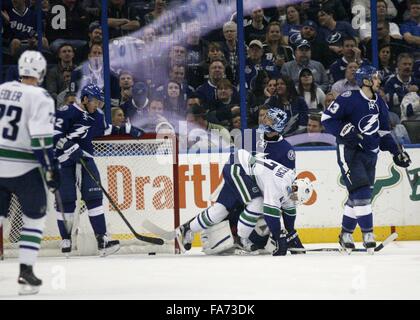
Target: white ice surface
pixel 393 273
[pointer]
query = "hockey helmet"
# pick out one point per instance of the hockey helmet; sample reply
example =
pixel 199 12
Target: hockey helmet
pixel 92 91
pixel 279 118
pixel 32 64
pixel 365 73
pixel 302 190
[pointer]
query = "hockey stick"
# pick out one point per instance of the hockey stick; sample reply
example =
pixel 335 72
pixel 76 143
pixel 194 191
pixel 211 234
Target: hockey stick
pixel 387 241
pixel 137 235
pixel 153 228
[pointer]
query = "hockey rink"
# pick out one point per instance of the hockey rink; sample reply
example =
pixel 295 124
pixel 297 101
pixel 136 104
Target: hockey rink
pixel 393 273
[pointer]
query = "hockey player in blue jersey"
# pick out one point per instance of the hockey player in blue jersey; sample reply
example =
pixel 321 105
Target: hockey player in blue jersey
pixel 359 120
pixel 75 127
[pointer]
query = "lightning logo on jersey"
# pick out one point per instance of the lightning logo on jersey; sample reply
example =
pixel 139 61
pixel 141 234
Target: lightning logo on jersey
pixel 369 124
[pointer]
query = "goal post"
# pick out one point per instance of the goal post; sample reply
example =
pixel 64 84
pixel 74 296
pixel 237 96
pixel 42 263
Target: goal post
pixel 141 176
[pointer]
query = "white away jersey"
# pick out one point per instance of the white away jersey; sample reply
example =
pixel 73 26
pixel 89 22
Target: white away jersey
pixel 26 113
pixel 273 179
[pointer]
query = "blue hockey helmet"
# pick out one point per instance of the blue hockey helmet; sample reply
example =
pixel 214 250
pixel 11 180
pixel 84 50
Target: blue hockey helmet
pixel 365 73
pixel 279 118
pixel 92 91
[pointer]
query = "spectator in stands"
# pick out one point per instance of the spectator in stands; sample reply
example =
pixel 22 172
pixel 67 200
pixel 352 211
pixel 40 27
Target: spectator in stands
pixel 126 83
pixel 351 53
pixel 117 116
pixel 229 48
pixel 386 66
pixel 389 13
pixel 349 82
pixel 256 62
pixel 258 95
pixel 319 47
pixel 220 110
pixel 197 119
pixel 397 45
pixel 365 31
pixel 122 18
pixel 207 91
pixel 69 29
pixel 135 110
pixel 411 29
pixel 332 30
pixel 192 100
pixel 312 9
pixel 307 89
pixel 22 25
pixel 401 83
pixel 314 124
pixel 95 36
pixel 303 60
pixel 177 74
pixel 174 102
pixel 55 76
pixel 289 101
pixel 397 129
pixel 256 30
pixel 61 97
pixel 293 21
pixel 270 88
pixel 276 49
pixel 195 47
pixel 154 115
pixel 170 23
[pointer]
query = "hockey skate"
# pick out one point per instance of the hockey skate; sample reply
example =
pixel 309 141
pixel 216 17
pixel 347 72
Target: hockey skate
pixel 65 246
pixel 246 245
pixel 346 241
pixel 29 283
pixel 293 242
pixel 184 236
pixel 107 246
pixel 369 242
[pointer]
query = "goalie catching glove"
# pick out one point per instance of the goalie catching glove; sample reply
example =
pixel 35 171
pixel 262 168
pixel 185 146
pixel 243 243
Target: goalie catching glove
pixel 127 128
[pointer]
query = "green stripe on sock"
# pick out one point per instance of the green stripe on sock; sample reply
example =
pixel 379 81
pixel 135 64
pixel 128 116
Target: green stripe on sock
pixel 290 212
pixel 248 218
pixel 205 220
pixel 275 212
pixel 30 239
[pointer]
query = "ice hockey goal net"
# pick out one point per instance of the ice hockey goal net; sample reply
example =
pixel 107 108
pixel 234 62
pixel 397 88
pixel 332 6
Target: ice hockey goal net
pixel 141 177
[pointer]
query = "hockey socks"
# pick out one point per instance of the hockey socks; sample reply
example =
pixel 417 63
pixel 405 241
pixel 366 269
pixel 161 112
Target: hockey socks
pixel 349 222
pixel 209 217
pixel 30 240
pixel 289 218
pixel 65 226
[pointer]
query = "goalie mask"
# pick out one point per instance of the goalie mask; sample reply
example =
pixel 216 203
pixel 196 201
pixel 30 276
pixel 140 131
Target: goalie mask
pixel 301 190
pixel 274 121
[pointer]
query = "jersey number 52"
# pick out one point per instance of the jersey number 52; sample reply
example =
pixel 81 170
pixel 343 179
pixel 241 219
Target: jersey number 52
pixel 12 115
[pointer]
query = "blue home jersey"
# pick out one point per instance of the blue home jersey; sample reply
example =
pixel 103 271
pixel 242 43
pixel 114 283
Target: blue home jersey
pixel 77 125
pixel 369 117
pixel 280 151
pixel 22 26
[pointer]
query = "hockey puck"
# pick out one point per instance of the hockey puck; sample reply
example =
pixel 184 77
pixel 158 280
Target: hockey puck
pixel 152 253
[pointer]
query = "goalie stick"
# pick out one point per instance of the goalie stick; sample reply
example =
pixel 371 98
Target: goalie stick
pixel 138 236
pixel 387 241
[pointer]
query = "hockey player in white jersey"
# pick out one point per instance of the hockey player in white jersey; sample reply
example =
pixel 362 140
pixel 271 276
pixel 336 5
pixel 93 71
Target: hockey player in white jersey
pixel 26 158
pixel 264 186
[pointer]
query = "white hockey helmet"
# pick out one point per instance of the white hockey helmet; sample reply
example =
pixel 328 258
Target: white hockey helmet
pixel 32 64
pixel 301 190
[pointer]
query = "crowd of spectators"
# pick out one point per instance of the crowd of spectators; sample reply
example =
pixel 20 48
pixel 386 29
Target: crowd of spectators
pixel 300 57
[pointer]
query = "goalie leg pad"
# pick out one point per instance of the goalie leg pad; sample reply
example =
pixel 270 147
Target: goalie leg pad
pixel 217 239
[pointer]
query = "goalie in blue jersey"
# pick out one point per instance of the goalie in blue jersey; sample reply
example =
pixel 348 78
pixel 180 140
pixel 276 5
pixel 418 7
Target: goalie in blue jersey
pixel 76 125
pixel 359 120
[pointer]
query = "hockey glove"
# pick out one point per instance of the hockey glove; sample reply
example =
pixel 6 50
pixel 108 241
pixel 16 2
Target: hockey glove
pixel 52 177
pixel 71 150
pixel 402 159
pixel 280 245
pixel 349 136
